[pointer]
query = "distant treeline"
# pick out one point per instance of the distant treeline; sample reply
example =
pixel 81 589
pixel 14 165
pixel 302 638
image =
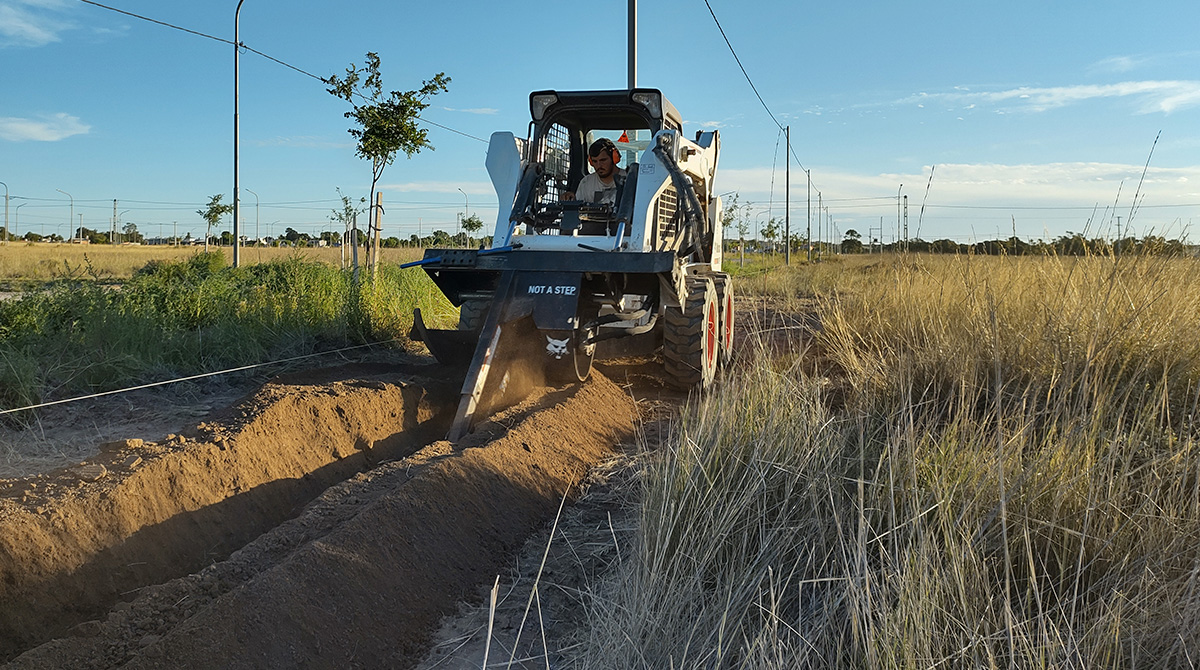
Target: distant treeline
pixel 1071 244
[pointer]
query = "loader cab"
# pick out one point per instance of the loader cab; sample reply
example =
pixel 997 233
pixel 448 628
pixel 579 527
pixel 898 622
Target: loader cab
pixel 564 125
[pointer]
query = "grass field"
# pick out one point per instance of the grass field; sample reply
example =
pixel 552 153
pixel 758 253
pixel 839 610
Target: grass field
pixel 994 465
pixel 174 317
pixel 26 261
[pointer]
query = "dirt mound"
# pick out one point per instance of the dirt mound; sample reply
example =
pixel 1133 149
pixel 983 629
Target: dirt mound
pixel 358 579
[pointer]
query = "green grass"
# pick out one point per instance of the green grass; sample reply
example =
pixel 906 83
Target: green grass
pixel 997 467
pixel 184 317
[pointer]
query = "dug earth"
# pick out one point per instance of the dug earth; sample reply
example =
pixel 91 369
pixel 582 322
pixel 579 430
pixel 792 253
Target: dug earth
pixel 320 521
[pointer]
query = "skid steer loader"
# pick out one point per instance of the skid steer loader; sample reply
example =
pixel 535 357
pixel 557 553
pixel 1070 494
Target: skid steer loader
pixel 563 278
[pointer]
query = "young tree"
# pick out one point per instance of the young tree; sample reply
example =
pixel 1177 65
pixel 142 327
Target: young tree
pixel 212 215
pixel 347 216
pixel 384 125
pixel 471 224
pixel 131 233
pixel 770 231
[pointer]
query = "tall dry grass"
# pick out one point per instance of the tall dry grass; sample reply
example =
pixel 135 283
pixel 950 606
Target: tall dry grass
pixel 999 470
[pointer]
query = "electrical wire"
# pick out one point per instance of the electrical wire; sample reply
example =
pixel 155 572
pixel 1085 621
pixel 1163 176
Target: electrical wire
pixel 191 377
pixel 751 82
pixel 161 23
pixel 743 68
pixel 242 45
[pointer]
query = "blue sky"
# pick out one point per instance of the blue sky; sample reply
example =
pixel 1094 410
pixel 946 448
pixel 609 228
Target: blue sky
pixel 1031 115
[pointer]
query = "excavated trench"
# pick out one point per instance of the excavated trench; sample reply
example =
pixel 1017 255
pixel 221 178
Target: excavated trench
pixel 321 521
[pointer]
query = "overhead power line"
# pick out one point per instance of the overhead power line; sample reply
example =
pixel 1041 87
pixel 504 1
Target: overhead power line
pixel 743 68
pixel 749 80
pixel 242 45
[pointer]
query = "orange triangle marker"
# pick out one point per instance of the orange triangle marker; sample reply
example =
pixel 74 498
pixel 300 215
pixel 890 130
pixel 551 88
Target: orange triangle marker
pixel 624 137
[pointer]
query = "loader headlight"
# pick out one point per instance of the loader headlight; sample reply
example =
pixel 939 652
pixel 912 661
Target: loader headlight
pixel 538 104
pixel 651 100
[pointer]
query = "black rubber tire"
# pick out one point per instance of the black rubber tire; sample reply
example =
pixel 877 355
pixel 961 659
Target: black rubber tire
pixel 471 314
pixel 724 285
pixel 690 336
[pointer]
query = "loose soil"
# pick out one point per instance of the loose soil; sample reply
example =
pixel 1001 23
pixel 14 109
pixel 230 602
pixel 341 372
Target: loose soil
pixel 321 521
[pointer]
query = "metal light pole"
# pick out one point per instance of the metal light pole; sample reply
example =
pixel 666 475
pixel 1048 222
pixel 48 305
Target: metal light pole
pixel 632 46
pixel 787 200
pixel 72 216
pixel 237 208
pixel 257 239
pixel 6 230
pixel 808 232
pixel 17 214
pixel 466 208
pixel 119 220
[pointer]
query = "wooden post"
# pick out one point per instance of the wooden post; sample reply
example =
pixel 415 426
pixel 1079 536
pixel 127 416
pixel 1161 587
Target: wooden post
pixel 375 239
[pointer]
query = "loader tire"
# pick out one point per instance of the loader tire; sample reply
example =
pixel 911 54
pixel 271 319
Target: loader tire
pixel 724 285
pixel 471 314
pixel 691 342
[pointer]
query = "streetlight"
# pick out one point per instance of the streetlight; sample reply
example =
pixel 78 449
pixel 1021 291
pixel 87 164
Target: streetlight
pixel 257 238
pixel 119 221
pixel 17 214
pixel 237 210
pixel 72 216
pixel 466 209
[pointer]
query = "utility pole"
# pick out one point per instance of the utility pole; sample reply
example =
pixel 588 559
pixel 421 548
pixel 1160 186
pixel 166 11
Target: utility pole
pixel 906 224
pixel 898 214
pixel 808 233
pixel 787 200
pixel 112 236
pixel 17 216
pixel 6 230
pixel 819 208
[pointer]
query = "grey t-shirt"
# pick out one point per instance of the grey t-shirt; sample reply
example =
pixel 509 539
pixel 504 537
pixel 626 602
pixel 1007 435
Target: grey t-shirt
pixel 591 189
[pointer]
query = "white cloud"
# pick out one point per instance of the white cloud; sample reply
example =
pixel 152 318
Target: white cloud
pixel 47 129
pixel 1119 64
pixel 966 199
pixel 31 23
pixel 472 188
pixel 1078 183
pixel 1154 96
pixel 488 111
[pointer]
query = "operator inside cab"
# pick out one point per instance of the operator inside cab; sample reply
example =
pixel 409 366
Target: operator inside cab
pixel 600 186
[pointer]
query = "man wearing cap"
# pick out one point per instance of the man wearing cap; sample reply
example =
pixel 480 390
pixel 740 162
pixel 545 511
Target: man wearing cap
pixel 600 186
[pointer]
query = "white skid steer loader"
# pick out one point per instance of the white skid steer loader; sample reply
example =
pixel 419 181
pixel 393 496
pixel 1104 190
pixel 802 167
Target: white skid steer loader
pixel 639 271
